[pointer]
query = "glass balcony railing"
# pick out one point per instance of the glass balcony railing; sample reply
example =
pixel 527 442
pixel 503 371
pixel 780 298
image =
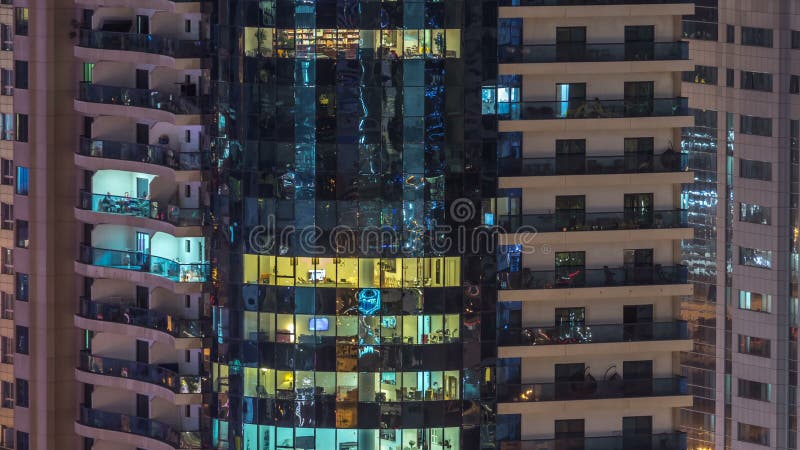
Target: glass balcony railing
pixel 145 43
pixel 142 317
pixel 594 334
pixel 149 154
pixel 140 207
pixel 593 109
pixel 586 278
pixel 143 262
pixel 661 441
pixel 583 52
pixel 589 2
pixel 591 389
pixel 668 161
pixel 148 373
pixel 142 98
pixel 595 221
pixel 139 426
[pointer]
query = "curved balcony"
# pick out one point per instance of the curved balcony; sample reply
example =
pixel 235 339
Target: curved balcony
pixel 141 322
pixel 660 441
pixel 141 268
pixel 593 109
pixel 583 52
pixel 590 278
pixel 534 342
pixel 591 389
pixel 167 107
pixel 143 43
pixel 181 221
pixel 175 6
pixel 129 429
pixel 157 159
pixel 595 221
pixel 182 389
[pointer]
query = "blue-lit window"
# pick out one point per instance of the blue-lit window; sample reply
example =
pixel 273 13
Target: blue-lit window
pixel 21 286
pixel 754 257
pixel 488 100
pixel 22 181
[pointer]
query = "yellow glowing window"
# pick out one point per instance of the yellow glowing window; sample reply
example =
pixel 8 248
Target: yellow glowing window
pixel 259 382
pixel 258 41
pixel 345 43
pixel 284 273
pixel 352 272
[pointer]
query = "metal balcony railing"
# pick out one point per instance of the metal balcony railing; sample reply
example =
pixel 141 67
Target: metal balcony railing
pixel 139 426
pixel 660 441
pixel 593 109
pixel 140 207
pixel 141 317
pixel 145 43
pixel 589 2
pixel 591 389
pixel 143 262
pixel 594 221
pixel 148 154
pixel 573 277
pixel 593 334
pixel 583 52
pixel 148 373
pixel 142 98
pixel 592 165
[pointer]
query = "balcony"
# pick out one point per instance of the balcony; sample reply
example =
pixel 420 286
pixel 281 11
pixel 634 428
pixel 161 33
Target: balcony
pixel 578 227
pixel 589 2
pixel 158 435
pixel 145 373
pixel 591 278
pixel 594 334
pixel 583 52
pixel 176 6
pixel 182 332
pixel 141 208
pixel 661 441
pixel 142 98
pixel 666 162
pixel 156 155
pixel 594 221
pixel 143 43
pixel 141 262
pixel 606 282
pixel 593 109
pixel 532 342
pixel 546 9
pixel 668 167
pixel 591 389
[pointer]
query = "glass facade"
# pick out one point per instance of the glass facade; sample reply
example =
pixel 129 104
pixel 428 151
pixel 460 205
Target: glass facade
pixel 348 152
pixel 701 199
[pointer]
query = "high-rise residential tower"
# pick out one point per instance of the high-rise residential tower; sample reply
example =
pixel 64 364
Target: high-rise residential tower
pixel 590 172
pixel 140 206
pixel 743 88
